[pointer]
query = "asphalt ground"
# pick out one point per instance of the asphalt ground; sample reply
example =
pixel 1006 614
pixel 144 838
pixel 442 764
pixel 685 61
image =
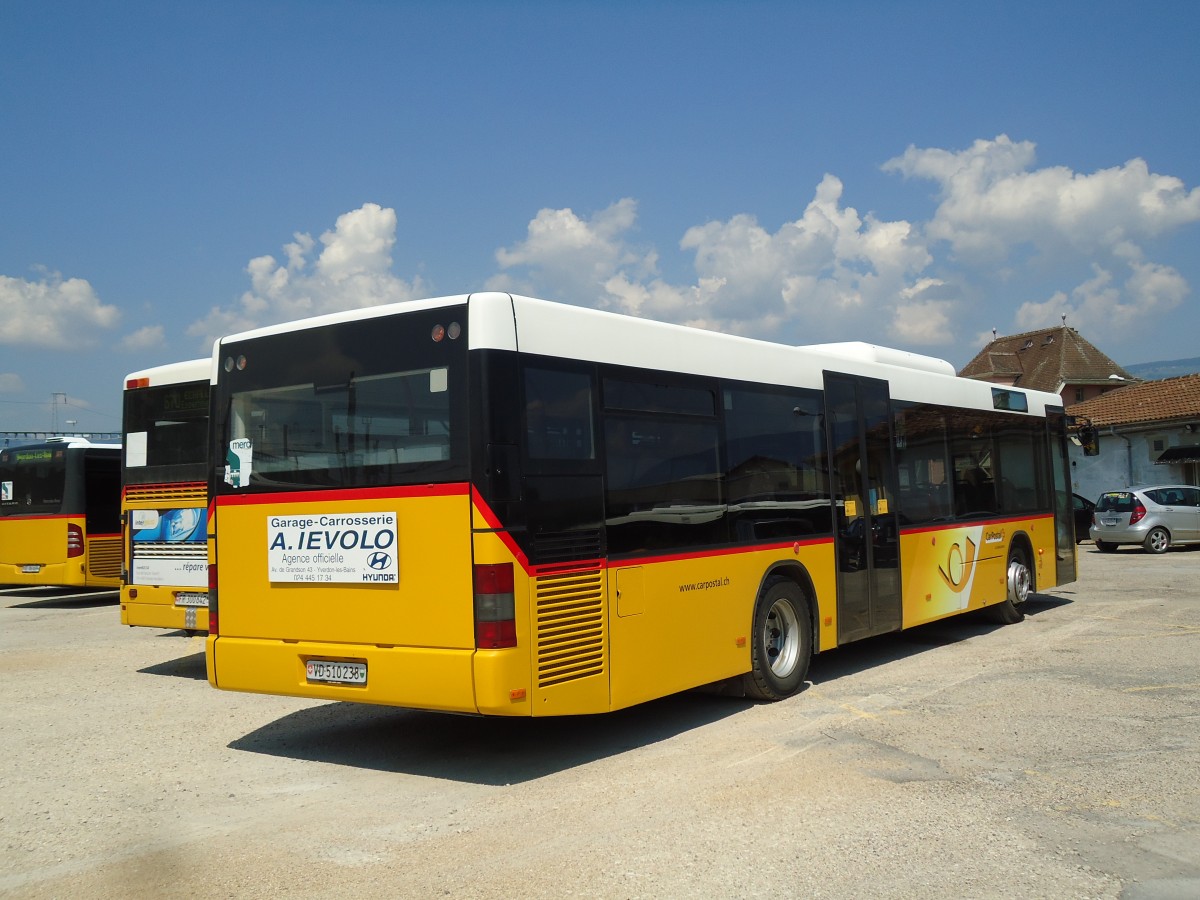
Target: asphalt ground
pixel 1056 757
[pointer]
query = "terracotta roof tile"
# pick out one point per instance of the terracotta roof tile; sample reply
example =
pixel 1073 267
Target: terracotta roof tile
pixel 1150 401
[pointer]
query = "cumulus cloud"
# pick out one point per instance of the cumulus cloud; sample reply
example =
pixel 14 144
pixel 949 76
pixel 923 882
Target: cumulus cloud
pixel 350 269
pixel 145 338
pixel 11 383
pixel 1108 309
pixel 991 201
pixel 790 284
pixel 53 312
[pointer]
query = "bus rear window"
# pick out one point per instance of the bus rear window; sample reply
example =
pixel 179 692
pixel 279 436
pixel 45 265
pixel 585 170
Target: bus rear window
pixel 378 429
pixel 32 481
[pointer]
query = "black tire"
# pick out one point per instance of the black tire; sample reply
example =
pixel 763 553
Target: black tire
pixel 1106 547
pixel 1019 585
pixel 1157 541
pixel 780 642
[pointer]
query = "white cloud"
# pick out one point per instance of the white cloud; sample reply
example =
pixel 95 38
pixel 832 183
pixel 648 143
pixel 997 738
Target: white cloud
pixel 11 383
pixel 146 338
pixel 991 202
pixel 1108 310
pixel 53 313
pixel 352 270
pixel 803 279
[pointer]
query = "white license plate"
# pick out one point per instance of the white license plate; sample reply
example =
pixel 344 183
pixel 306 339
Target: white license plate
pixel 187 598
pixel 329 672
pixel 31 570
pixel 1109 522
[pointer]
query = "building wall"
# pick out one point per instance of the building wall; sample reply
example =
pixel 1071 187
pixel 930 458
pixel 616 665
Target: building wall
pixel 1127 459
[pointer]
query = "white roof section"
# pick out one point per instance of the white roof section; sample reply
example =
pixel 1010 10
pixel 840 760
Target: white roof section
pixel 510 322
pixel 72 442
pixel 175 373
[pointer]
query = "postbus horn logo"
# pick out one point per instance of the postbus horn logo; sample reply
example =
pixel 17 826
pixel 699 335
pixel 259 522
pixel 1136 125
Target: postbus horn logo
pixel 379 560
pixel 960 563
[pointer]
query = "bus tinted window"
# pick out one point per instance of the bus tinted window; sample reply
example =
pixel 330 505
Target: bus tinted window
pixel 776 479
pixel 32 480
pixel 371 430
pixel 924 489
pixel 663 483
pixel 646 396
pixel 166 425
pixel 558 414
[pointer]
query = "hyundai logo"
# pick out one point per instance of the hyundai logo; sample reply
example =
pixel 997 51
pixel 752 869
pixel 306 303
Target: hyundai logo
pixel 379 560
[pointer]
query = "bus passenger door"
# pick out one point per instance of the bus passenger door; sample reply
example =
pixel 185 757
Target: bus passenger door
pixel 858 421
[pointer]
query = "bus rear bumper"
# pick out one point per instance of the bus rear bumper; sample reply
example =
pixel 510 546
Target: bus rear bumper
pixel 164 615
pixel 412 677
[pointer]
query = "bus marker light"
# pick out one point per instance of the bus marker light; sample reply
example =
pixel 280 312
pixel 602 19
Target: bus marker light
pixel 133 593
pixel 740 642
pixel 516 694
pixel 439 332
pixel 796 548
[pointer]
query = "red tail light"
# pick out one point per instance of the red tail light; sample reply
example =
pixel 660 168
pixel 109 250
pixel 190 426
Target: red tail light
pixel 74 541
pixel 495 607
pixel 1138 513
pixel 212 599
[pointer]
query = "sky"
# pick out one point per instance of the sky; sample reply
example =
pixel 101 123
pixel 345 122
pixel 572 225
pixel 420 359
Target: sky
pixel 911 174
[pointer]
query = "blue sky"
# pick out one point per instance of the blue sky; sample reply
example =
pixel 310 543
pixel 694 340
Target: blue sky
pixel 910 174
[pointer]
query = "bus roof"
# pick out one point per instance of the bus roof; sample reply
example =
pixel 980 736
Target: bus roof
pixel 510 322
pixel 172 373
pixel 72 442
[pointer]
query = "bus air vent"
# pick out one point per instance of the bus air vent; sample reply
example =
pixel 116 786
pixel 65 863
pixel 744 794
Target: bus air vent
pixel 566 546
pixel 570 625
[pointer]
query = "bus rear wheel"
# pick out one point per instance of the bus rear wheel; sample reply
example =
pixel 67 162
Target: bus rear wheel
pixel 781 642
pixel 1019 584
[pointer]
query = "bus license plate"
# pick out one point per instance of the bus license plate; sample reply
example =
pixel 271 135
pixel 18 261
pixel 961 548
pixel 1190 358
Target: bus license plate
pixel 328 672
pixel 191 599
pixel 30 570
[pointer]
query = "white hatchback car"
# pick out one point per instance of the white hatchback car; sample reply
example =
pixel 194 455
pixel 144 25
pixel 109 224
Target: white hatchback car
pixel 1154 516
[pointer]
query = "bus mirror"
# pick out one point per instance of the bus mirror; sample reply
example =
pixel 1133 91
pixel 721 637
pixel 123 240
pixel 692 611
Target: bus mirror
pixel 1089 440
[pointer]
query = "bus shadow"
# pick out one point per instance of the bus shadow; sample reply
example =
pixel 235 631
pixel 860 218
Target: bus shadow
pixel 191 666
pixel 71 601
pixel 886 648
pixel 475 750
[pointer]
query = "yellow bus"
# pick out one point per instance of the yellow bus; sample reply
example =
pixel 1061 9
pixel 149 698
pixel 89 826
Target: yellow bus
pixel 164 497
pixel 500 505
pixel 60 508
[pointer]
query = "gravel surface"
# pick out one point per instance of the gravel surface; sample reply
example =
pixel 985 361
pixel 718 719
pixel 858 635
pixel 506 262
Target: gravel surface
pixel 1052 758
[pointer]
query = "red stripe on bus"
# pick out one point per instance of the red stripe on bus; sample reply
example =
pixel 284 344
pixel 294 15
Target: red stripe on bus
pixel 338 495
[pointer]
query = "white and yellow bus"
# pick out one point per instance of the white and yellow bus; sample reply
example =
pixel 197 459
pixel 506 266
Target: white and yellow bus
pixel 164 498
pixel 500 505
pixel 60 508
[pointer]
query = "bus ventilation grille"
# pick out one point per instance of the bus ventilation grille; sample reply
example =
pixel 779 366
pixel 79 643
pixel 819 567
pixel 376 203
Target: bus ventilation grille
pixel 104 557
pixel 192 492
pixel 566 546
pixel 570 626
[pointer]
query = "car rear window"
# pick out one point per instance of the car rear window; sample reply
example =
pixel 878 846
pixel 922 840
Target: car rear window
pixel 1116 501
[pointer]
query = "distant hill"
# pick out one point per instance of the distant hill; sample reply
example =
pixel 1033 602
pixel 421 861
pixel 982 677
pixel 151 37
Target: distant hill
pixel 1168 368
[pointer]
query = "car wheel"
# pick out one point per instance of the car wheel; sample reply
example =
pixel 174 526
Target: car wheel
pixel 1106 547
pixel 781 642
pixel 1157 541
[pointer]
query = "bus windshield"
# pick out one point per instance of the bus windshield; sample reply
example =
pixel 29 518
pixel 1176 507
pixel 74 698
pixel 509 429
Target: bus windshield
pixel 353 412
pixel 32 480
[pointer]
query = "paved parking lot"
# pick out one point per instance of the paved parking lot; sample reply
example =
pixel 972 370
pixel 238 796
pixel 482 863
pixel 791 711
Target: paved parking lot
pixel 1052 758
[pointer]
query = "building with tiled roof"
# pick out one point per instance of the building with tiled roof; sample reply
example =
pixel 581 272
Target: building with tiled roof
pixel 1149 432
pixel 1057 360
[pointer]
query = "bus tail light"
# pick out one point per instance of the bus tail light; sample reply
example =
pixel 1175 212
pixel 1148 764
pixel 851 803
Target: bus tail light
pixel 495 607
pixel 1139 511
pixel 74 541
pixel 212 599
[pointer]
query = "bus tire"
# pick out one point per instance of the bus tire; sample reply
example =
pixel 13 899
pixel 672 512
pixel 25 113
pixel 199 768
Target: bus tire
pixel 780 642
pixel 1019 586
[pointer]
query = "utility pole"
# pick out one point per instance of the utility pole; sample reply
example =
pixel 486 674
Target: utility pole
pixel 54 409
